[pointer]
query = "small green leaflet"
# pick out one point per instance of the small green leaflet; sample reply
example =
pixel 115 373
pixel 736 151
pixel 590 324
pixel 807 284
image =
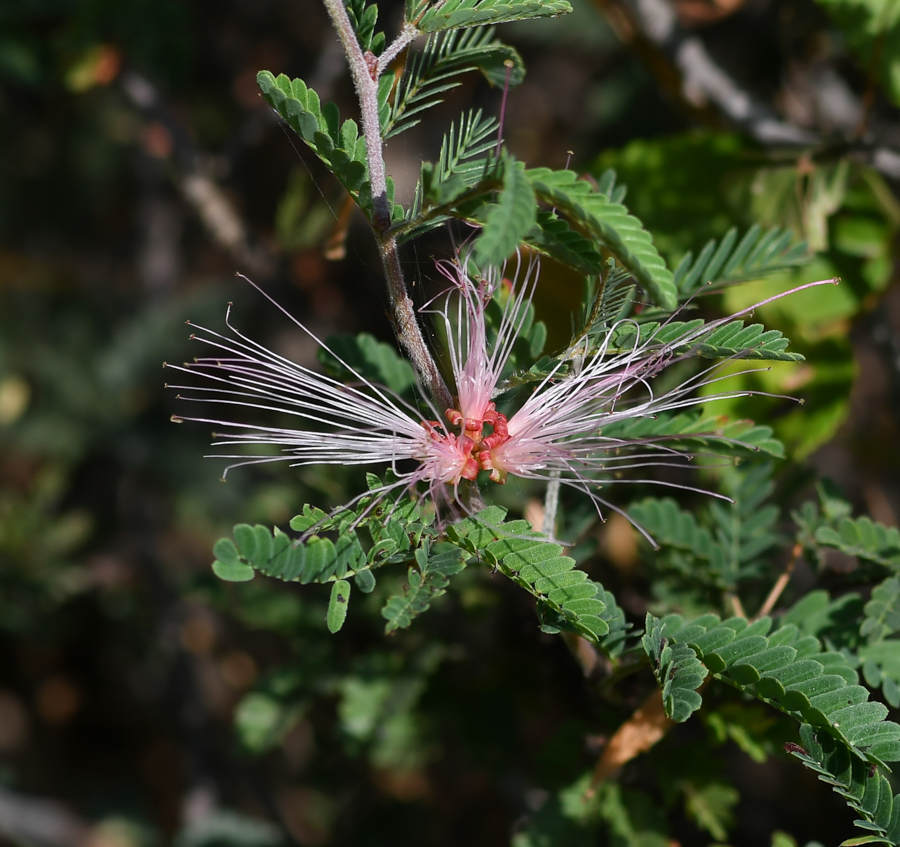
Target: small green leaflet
pixel 337 605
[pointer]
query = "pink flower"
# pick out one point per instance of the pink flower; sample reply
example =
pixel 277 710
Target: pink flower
pixel 557 432
pixel 366 425
pixel 478 366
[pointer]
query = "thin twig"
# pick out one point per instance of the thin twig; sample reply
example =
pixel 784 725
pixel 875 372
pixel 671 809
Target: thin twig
pixel 780 583
pixel 686 70
pixel 408 34
pixel 638 734
pixel 737 607
pixel 193 177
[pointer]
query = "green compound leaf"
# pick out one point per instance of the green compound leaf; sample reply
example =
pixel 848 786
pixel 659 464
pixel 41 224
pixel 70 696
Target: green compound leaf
pixel 792 673
pixel 880 656
pixel 746 529
pixel 552 236
pixel 758 253
pixel 612 226
pixel 454 14
pixel 435 70
pixel 314 560
pixel 882 611
pixel 864 788
pixel 363 18
pixel 677 669
pixel 671 526
pixel 337 605
pixel 692 431
pixel 567 599
pixel 611 301
pixel 461 165
pixel 339 145
pixel 435 565
pixel 509 220
pixel 721 545
pixel 733 340
pixel 864 538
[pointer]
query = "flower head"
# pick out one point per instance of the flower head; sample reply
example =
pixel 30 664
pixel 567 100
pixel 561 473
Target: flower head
pixel 559 431
pixel 477 365
pixel 362 424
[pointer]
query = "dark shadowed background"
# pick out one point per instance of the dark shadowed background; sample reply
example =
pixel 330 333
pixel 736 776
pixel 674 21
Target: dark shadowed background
pixel 142 701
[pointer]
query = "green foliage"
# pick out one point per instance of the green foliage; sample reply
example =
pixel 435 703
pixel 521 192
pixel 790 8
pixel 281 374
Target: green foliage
pixel 337 605
pixel 435 70
pixel 719 547
pixel 611 225
pixel 611 300
pixel 567 817
pixel 435 565
pixel 467 13
pixel 469 713
pixel 830 527
pixel 866 790
pixel 879 651
pixel 730 340
pixel 363 18
pixel 39 538
pixel 882 612
pixel 747 529
pixel 702 433
pixel 460 166
pixel 386 532
pixel 715 556
pixel 872 30
pixel 792 673
pixel 338 145
pixel 354 357
pixel 677 668
pixel 711 805
pixel 864 538
pixel 553 236
pixel 508 221
pixel 633 819
pixel 758 253
pixel 382 532
pixel 263 718
pixel 567 599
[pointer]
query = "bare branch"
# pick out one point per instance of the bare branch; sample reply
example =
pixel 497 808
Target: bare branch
pixel 193 178
pixel 685 68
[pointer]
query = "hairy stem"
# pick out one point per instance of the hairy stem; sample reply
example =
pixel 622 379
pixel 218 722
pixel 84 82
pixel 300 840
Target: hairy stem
pixel 403 317
pixel 407 34
pixel 403 314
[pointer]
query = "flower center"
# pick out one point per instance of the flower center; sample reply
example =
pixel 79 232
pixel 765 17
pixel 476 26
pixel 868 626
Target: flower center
pixel 475 443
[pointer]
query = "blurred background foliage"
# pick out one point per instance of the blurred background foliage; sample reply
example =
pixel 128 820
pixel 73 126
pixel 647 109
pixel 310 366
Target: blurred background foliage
pixel 142 701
